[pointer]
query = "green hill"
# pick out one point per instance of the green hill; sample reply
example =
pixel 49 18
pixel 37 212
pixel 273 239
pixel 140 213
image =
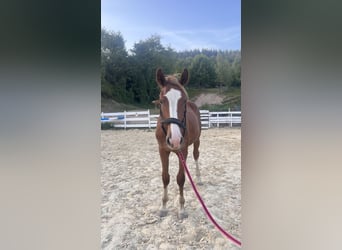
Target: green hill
pixel 213 99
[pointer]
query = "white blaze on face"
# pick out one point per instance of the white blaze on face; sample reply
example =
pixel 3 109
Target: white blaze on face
pixel 173 96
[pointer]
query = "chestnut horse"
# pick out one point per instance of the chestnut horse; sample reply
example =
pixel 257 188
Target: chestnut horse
pixel 178 126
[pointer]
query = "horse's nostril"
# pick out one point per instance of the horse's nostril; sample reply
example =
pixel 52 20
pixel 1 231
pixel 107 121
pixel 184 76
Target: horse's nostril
pixel 168 141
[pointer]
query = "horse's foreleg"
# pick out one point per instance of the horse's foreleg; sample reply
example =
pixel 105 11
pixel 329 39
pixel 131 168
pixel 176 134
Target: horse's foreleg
pixel 180 182
pixel 196 156
pixel 164 157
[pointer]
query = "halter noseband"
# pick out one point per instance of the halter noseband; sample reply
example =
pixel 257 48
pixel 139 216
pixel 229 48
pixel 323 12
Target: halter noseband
pixel 170 120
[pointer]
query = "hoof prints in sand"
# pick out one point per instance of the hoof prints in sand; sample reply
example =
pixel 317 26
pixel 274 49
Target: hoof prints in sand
pixel 132 191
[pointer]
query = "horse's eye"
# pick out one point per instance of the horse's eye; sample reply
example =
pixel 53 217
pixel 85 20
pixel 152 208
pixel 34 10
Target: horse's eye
pixel 160 102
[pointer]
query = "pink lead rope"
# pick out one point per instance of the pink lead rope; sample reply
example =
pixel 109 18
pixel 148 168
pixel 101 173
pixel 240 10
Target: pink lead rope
pixel 230 237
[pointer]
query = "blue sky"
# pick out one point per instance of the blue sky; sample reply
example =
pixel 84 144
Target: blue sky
pixel 182 25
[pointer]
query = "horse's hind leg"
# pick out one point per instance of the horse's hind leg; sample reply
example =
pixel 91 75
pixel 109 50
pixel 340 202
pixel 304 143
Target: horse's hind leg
pixel 180 181
pixel 196 156
pixel 164 157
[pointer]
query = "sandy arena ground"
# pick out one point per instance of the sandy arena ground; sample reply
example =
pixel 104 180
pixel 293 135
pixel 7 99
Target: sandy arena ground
pixel 132 191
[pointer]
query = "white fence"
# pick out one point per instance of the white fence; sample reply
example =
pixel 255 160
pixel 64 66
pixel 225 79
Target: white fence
pixel 144 119
pixel 224 118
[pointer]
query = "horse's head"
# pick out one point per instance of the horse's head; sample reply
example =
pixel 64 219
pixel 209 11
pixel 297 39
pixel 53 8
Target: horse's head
pixel 173 101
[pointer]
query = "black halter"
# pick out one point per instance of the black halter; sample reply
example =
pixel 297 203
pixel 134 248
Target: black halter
pixel 180 123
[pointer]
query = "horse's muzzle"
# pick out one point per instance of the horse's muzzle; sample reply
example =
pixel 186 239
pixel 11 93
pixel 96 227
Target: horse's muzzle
pixel 174 143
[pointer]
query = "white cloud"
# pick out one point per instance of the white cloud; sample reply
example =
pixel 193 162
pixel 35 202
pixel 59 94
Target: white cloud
pixel 136 25
pixel 206 38
pixel 220 38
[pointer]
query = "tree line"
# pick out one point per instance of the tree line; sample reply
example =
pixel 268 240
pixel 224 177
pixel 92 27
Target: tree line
pixel 129 76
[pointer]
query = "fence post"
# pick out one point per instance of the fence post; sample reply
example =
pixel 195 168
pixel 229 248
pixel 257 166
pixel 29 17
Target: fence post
pixel 217 120
pixel 231 118
pixel 209 122
pixel 125 122
pixel 149 119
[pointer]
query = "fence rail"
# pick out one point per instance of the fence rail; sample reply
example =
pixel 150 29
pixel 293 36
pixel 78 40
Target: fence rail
pixel 144 119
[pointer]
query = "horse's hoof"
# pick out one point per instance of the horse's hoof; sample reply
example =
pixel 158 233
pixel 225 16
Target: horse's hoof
pixel 163 212
pixel 182 215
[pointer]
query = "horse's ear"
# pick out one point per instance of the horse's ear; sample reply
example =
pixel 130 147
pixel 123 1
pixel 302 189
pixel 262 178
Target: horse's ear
pixel 160 78
pixel 185 77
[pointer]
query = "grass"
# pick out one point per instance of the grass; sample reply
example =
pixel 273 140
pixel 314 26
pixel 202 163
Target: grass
pixel 109 105
pixel 222 107
pixel 193 92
